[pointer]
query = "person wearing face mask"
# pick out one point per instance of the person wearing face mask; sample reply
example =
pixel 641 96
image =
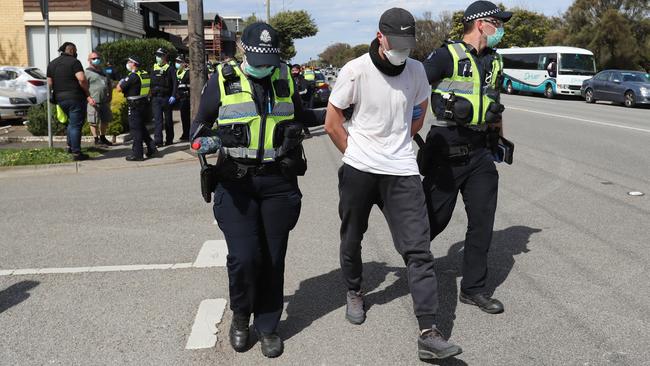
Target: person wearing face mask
pixel 458 154
pixel 183 96
pixel 69 87
pixel 136 87
pixel 379 167
pixel 101 90
pixel 257 201
pixel 163 96
pixel 302 88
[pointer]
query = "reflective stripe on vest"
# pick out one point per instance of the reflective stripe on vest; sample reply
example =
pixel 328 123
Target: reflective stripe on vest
pixel 240 108
pixel 469 87
pixel 145 82
pixel 180 74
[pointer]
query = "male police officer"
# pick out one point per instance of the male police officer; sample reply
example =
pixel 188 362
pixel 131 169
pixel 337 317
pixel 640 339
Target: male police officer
pixel 257 200
pixel 136 90
pixel 183 96
pixel 163 95
pixel 465 79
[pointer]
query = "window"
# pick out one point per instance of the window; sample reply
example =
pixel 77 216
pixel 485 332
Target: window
pixel 35 73
pixel 6 75
pixel 636 77
pixel 615 76
pixel 577 64
pixel 521 61
pixel 94 36
pixel 603 76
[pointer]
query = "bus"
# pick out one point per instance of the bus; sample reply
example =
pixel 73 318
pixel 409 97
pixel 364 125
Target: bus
pixel 546 70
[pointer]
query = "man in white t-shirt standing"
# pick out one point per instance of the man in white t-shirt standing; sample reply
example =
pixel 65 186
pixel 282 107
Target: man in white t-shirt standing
pixel 379 167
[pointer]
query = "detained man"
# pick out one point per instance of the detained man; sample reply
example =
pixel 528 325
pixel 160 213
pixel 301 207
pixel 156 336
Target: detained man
pixel 379 167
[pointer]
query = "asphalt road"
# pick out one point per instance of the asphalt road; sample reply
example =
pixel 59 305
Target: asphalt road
pixel 569 260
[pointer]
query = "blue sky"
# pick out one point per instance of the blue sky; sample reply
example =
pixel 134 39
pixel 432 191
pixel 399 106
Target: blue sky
pixel 355 21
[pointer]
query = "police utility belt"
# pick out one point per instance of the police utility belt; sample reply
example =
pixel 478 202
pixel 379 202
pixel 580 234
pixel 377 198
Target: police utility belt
pixel 137 100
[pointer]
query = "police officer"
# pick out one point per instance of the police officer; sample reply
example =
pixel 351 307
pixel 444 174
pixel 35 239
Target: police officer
pixel 465 77
pixel 135 87
pixel 163 95
pixel 257 200
pixel 183 95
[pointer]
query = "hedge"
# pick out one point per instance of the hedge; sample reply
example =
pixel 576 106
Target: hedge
pixel 119 51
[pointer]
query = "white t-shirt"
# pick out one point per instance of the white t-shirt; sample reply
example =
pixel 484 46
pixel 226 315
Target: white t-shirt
pixel 379 132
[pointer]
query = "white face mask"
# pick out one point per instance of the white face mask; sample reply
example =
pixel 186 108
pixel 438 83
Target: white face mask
pixel 128 66
pixel 397 57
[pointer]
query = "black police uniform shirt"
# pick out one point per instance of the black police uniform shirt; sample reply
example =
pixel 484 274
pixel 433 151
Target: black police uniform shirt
pixel 211 101
pixel 163 84
pixel 185 80
pixel 131 85
pixel 440 65
pixel 65 85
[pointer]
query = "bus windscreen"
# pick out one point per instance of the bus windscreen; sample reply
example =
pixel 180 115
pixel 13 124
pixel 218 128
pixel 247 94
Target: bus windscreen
pixel 577 64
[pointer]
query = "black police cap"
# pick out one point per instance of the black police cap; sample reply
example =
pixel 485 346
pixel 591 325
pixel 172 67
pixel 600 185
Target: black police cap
pixel 261 44
pixel 485 9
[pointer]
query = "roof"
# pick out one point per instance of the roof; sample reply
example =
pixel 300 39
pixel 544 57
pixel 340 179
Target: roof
pixel 549 49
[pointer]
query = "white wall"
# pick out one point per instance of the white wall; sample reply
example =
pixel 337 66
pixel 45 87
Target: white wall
pixel 80 36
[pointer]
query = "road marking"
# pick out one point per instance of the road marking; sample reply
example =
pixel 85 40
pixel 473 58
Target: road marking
pixel 581 119
pixel 204 329
pixel 212 254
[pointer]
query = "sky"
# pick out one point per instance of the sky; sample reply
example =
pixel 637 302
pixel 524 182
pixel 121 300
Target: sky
pixel 355 21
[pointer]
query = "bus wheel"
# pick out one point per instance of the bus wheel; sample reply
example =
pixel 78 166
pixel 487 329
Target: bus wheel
pixel 509 88
pixel 548 92
pixel 630 99
pixel 589 96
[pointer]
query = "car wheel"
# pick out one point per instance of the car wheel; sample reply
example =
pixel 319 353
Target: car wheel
pixel 548 92
pixel 509 89
pixel 589 96
pixel 630 99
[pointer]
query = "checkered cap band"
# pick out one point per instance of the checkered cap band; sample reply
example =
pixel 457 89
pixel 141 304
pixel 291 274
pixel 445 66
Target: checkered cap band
pixel 482 14
pixel 255 49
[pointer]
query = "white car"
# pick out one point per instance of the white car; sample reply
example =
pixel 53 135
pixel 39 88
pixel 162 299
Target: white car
pixel 25 79
pixel 15 104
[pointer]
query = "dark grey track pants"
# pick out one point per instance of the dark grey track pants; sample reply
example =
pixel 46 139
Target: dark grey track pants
pixel 402 201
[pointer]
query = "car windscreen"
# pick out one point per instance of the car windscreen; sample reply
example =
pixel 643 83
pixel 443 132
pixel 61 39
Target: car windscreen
pixel 35 73
pixel 636 77
pixel 577 64
pixel 320 76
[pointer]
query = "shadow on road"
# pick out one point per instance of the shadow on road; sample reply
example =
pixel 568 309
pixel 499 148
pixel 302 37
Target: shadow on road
pixel 121 151
pixel 15 294
pixel 320 295
pixel 506 244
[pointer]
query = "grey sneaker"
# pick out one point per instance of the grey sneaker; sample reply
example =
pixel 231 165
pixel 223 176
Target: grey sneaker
pixel 354 311
pixel 432 346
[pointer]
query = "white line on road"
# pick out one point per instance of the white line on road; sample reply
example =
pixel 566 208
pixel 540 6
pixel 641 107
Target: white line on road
pixel 204 330
pixel 212 254
pixel 581 119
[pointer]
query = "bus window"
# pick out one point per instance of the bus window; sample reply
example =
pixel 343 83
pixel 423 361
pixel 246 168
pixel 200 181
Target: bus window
pixel 577 64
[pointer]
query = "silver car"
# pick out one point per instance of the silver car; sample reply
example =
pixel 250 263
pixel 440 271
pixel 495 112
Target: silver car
pixel 25 79
pixel 15 104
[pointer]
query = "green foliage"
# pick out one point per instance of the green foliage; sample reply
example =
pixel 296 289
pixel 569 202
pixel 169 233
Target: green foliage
pixel 430 33
pixel 339 54
pixel 617 31
pixel 37 117
pixel 14 157
pixel 292 25
pixel 119 51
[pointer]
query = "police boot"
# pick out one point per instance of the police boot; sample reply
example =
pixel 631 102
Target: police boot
pixel 271 345
pixel 239 332
pixel 483 302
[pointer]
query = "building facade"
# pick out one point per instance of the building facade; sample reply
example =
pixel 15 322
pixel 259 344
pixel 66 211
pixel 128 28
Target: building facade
pixel 214 33
pixel 86 23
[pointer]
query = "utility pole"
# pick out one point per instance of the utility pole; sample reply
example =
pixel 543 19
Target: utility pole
pixel 198 75
pixel 268 11
pixel 46 19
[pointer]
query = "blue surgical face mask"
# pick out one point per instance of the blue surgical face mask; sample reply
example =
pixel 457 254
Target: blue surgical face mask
pixel 96 61
pixel 258 72
pixel 177 65
pixel 108 70
pixel 494 39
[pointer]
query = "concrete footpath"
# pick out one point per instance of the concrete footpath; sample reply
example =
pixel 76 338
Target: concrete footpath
pixel 111 158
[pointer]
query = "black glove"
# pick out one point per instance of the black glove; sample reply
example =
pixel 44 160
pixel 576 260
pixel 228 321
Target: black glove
pixel 494 113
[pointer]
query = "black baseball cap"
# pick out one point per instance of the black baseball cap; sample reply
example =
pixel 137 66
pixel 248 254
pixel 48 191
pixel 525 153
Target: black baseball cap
pixel 261 44
pixel 399 26
pixel 484 9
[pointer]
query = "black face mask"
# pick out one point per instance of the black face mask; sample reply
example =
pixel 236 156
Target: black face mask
pixel 383 65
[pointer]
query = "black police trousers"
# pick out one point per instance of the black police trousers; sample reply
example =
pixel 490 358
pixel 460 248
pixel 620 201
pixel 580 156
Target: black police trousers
pixel 256 214
pixel 403 205
pixel 184 108
pixel 138 114
pixel 478 181
pixel 162 116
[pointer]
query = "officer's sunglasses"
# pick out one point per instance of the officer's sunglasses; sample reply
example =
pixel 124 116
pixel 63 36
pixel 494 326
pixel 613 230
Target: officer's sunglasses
pixel 494 22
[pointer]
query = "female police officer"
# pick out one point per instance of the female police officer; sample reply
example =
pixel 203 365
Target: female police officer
pixel 257 200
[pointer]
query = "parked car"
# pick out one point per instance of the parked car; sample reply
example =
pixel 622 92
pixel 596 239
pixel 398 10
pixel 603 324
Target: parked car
pixel 25 79
pixel 14 104
pixel 621 86
pixel 323 90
